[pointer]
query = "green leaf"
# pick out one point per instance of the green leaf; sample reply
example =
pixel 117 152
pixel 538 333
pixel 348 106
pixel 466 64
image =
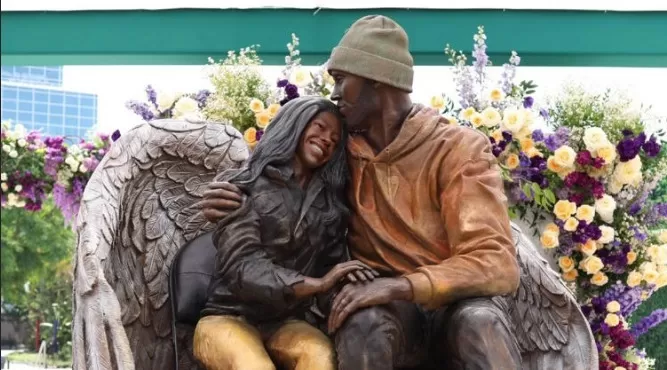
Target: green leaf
pixel 550 196
pixel 526 190
pixel 536 188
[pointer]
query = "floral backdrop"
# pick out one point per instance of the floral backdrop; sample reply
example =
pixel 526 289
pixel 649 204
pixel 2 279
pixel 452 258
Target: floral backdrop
pixel 582 184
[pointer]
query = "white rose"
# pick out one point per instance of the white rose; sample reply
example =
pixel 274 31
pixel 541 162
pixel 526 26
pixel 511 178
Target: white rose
pixel 3 177
pixel 6 148
pixel 20 131
pixel 18 188
pixel 662 236
pixel 13 154
pixel 300 77
pixel 4 186
pixel 491 117
pixel 594 138
pixel 628 172
pixel 608 234
pixel 21 143
pixel 660 256
pixel 83 168
pixel 605 207
pixel 513 121
pixel 165 100
pixel 184 106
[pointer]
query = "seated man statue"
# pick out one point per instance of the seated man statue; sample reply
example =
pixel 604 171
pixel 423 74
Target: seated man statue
pixel 429 213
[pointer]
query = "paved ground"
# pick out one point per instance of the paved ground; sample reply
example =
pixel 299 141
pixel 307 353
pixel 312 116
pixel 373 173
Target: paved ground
pixel 16 366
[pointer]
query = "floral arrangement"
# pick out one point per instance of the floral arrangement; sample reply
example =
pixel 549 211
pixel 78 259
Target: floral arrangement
pixel 169 105
pixel 585 183
pixel 34 167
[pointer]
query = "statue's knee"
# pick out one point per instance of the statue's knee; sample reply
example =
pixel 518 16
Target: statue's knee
pixel 318 353
pixel 476 316
pixel 364 323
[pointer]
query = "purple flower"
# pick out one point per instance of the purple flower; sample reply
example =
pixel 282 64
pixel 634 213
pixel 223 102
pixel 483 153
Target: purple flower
pixel 151 95
pixel 292 91
pixel 141 109
pixel 116 135
pixel 497 150
pixel 528 102
pixel 598 162
pixel 576 198
pixel 651 147
pixel 202 97
pixel 645 324
pixel 524 161
pixel 507 136
pixel 593 231
pixel 538 135
pixel 544 113
pixel 584 158
pixel 282 83
pixel 259 134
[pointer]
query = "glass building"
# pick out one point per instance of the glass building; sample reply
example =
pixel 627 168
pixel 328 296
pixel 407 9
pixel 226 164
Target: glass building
pixel 34 97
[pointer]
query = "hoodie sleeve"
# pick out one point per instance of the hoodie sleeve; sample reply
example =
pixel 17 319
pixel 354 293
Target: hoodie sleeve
pixel 474 211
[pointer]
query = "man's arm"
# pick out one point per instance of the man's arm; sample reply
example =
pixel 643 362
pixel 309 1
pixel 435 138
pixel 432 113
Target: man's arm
pixel 474 211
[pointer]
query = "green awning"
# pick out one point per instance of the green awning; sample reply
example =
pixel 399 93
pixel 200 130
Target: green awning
pixel 190 36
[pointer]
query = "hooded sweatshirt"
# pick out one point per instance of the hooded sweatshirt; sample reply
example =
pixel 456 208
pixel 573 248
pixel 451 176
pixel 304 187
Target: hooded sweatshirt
pixel 431 207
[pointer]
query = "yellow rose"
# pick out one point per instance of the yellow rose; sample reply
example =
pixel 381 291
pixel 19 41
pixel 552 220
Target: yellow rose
pixel 632 257
pixel 662 236
pixel 512 120
pixel 658 254
pixel 477 119
pixel 648 266
pixel 614 186
pixel 438 102
pixel 608 234
pixel 256 105
pixel 553 166
pixel 451 120
pixel 599 279
pixel 526 143
pixel 165 100
pixel 607 153
pixel 571 224
pixel 250 135
pixel 552 227
pixel 612 319
pixel 497 135
pixel 563 209
pixel 634 279
pixel 263 118
pixel 566 263
pixel 645 295
pixel 628 172
pixel 491 117
pixel 586 213
pixel 549 240
pixel 496 95
pixel 594 138
pixel 570 275
pixel 565 156
pixel 512 161
pixel 651 276
pixel 273 109
pixel 662 280
pixel 613 307
pixel 589 248
pixel 592 264
pixel 467 113
pixel 534 152
pixel 525 132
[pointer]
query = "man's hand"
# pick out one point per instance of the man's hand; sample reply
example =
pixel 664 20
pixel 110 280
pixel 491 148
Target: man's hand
pixel 355 271
pixel 221 199
pixel 356 296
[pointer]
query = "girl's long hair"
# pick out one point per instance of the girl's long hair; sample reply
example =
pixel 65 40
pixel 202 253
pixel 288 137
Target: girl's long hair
pixel 278 148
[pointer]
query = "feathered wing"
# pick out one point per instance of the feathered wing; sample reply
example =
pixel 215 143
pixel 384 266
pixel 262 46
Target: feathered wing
pixel 551 331
pixel 138 209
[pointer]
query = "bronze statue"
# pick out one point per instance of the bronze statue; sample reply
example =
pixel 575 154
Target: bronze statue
pixel 460 285
pixel 283 247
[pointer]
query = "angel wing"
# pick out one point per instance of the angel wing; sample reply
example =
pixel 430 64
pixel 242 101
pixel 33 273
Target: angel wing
pixel 551 331
pixel 138 209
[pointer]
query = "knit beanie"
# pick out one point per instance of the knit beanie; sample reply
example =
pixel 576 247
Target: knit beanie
pixel 375 47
